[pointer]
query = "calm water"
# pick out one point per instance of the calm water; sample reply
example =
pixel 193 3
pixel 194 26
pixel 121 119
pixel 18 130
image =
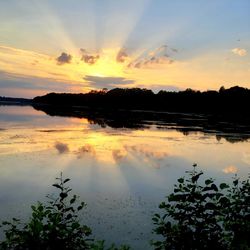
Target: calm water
pixel 122 173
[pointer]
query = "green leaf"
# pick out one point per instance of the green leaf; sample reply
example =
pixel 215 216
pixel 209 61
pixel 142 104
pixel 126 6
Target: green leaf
pixel 210 206
pixel 155 219
pixel 206 189
pixel 235 182
pixel 63 195
pixel 66 180
pixel 177 197
pixel 223 186
pixel 214 187
pixel 80 208
pixel 72 200
pixel 162 205
pixel 208 181
pixel 196 177
pixel 224 200
pixel 181 180
pixel 69 216
pixel 57 186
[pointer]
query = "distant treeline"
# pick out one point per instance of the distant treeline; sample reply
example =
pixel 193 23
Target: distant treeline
pixel 232 100
pixel 14 101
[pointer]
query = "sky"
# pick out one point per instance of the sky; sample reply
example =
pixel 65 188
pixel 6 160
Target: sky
pixel 81 45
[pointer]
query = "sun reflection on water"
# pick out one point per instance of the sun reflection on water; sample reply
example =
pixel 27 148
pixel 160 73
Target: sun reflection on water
pixel 131 167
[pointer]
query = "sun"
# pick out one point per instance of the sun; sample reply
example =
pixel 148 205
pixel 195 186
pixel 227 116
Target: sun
pixel 106 66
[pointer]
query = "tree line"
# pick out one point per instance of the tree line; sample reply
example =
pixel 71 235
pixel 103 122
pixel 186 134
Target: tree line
pixel 232 100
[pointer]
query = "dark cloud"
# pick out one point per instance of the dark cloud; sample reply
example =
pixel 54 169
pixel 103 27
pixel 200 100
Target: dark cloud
pixel 121 55
pixel 64 58
pixel 88 58
pixel 106 82
pixel 61 147
pixel 159 55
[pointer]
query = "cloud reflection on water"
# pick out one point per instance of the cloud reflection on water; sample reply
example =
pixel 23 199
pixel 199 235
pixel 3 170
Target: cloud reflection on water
pixel 85 150
pixel 61 147
pixel 130 169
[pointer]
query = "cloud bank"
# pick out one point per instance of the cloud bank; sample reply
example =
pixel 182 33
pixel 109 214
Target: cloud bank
pixel 106 82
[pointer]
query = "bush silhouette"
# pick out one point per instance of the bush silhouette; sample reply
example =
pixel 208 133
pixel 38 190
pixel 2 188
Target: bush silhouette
pixel 205 216
pixel 196 216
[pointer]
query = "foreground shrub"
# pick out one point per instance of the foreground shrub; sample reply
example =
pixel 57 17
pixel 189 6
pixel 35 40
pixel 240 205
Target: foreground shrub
pixel 196 216
pixel 205 216
pixel 53 225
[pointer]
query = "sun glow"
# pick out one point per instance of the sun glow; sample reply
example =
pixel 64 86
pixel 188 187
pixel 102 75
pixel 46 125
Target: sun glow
pixel 106 66
pixel 45 66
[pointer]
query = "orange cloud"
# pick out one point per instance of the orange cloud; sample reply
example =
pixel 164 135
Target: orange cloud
pixel 239 51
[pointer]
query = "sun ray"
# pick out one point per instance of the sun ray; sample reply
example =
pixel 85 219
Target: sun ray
pixel 115 29
pixel 55 27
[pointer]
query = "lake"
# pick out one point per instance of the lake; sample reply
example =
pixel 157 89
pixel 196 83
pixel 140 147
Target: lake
pixel 122 172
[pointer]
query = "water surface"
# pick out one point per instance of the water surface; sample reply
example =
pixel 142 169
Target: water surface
pixel 122 173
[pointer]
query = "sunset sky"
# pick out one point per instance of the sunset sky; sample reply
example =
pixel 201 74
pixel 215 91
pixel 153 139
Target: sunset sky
pixel 79 45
